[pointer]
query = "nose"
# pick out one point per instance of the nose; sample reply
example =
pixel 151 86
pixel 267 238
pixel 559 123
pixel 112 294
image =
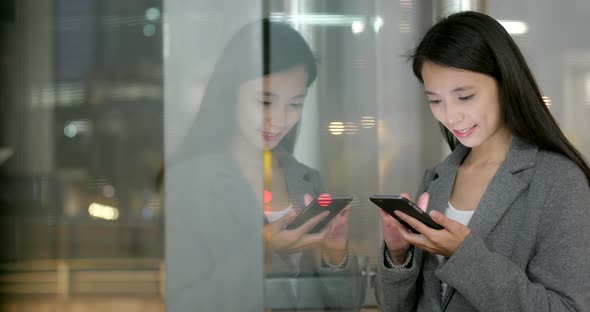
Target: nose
pixel 453 113
pixel 276 115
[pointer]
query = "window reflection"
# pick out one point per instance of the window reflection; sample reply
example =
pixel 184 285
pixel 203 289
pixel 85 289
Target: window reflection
pixel 218 187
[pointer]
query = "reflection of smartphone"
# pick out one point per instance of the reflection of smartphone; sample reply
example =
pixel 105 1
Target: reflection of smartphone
pixel 391 203
pixel 335 204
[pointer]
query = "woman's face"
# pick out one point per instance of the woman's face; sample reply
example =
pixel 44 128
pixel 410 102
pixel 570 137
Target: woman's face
pixel 465 102
pixel 268 107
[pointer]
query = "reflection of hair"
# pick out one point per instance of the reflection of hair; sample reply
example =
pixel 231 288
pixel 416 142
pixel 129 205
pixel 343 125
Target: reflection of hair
pixel 476 42
pixel 257 49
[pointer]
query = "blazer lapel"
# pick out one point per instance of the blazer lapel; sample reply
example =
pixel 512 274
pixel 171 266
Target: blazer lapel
pixel 298 183
pixel 502 191
pixel 505 187
pixel 440 192
pixel 440 188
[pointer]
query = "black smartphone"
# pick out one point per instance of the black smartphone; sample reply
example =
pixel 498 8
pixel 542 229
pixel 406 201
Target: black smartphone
pixel 391 203
pixel 333 204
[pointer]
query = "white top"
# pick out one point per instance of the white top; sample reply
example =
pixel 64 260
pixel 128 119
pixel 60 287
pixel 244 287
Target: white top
pixel 272 216
pixel 461 216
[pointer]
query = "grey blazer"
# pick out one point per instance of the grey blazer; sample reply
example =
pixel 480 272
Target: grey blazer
pixel 214 246
pixel 528 249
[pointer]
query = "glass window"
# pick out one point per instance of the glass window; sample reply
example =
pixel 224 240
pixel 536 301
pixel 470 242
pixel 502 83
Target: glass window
pixel 153 153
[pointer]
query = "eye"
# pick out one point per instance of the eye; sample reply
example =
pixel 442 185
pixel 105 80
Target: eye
pixel 466 98
pixel 265 103
pixel 433 101
pixel 296 105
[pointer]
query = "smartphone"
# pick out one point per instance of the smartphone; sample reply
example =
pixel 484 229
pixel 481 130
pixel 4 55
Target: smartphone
pixel 333 204
pixel 391 203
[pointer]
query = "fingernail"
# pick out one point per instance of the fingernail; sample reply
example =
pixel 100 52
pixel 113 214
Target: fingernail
pixel 434 214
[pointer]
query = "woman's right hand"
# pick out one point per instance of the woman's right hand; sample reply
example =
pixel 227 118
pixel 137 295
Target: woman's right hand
pixel 396 245
pixel 286 241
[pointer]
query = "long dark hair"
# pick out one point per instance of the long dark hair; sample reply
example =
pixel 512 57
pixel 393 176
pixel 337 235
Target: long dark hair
pixel 258 49
pixel 477 42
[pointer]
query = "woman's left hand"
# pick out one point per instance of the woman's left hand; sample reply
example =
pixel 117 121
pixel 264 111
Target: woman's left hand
pixel 441 242
pixel 335 244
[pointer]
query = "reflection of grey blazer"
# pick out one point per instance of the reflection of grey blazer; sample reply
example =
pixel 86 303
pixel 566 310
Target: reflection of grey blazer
pixel 528 249
pixel 214 245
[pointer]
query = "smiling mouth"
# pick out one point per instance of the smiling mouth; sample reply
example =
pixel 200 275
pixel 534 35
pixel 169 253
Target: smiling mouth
pixel 271 136
pixel 465 130
pixel 463 133
pixel 271 133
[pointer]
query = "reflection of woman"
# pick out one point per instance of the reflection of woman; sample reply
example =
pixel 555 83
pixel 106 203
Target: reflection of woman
pixel 250 112
pixel 513 196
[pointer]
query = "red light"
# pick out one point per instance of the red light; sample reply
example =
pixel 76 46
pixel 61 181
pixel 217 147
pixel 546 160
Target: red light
pixel 267 196
pixel 325 200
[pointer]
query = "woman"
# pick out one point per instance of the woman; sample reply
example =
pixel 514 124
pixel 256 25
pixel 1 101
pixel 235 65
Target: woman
pixel 236 159
pixel 513 196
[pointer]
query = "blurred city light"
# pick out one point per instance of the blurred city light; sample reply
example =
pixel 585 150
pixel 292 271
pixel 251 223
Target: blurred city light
pixel 406 4
pixel 5 154
pixel 404 27
pixel 70 131
pixel 358 27
pixel 336 127
pixel 149 30
pixel 547 100
pixel 267 196
pixel 377 23
pixel 514 27
pixel 105 212
pixel 318 19
pixel 350 128
pixel 62 94
pixel 75 127
pixel 152 14
pixel 367 122
pixel 324 200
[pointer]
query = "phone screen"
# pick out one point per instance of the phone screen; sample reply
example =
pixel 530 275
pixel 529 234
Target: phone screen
pixel 391 203
pixel 335 205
